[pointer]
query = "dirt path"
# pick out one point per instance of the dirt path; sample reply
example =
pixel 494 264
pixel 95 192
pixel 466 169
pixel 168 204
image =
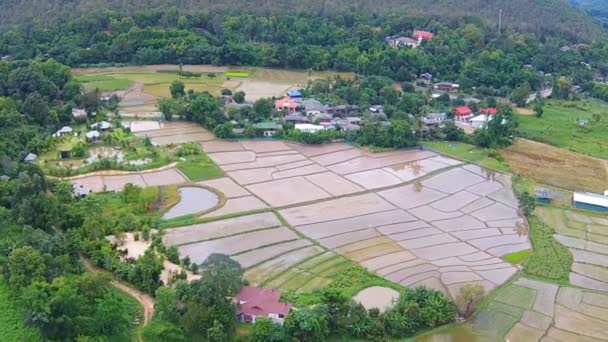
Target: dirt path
pixel 145 300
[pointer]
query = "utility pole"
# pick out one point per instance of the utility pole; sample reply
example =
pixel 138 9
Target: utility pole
pixel 500 21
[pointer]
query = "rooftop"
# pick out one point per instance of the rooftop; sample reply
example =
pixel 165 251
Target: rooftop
pixel 257 301
pixel 267 125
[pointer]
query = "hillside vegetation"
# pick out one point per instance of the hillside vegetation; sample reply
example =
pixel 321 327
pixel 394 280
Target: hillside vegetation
pixel 539 16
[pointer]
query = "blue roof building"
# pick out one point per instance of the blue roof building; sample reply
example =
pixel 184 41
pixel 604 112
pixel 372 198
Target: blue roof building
pixel 294 93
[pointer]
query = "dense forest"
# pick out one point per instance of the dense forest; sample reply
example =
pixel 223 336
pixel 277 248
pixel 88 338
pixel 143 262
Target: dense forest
pixel 539 16
pixel 468 52
pixel 596 8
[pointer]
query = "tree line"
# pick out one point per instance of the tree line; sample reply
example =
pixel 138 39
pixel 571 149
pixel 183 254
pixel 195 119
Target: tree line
pixel 467 51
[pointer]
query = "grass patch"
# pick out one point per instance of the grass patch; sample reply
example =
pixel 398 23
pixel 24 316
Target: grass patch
pixel 549 259
pixel 212 85
pixel 559 126
pixel 516 258
pixel 236 74
pixel 350 280
pixel 104 82
pixel 470 153
pixel 518 296
pixel 135 310
pixel 200 168
pixel 12 327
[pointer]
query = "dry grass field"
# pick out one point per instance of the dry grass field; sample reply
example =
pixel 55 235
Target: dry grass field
pixel 557 167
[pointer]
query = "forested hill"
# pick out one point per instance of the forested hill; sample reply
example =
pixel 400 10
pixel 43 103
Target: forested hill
pixel 539 16
pixel 597 8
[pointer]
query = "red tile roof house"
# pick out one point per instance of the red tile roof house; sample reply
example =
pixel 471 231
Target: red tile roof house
pixel 462 113
pixel 256 302
pixel 488 111
pixel 287 104
pixel 422 35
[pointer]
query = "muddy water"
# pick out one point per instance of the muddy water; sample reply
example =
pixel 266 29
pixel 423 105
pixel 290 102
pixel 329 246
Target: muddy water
pixel 456 333
pixel 192 200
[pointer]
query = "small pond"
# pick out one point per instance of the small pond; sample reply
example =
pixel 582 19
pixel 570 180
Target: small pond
pixel 192 200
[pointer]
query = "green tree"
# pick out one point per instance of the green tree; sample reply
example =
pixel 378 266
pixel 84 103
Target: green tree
pixel 402 134
pixel 308 324
pixel 265 330
pixel 239 96
pixel 263 107
pixel 26 265
pixel 111 316
pixel 520 94
pixel 162 331
pixel 177 89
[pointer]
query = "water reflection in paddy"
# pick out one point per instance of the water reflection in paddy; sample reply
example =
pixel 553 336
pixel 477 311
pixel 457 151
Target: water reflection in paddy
pixel 192 200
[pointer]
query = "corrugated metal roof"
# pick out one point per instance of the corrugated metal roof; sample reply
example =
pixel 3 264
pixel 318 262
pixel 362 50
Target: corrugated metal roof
pixel 591 198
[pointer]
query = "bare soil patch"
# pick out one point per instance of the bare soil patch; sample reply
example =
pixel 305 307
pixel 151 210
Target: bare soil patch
pixel 379 297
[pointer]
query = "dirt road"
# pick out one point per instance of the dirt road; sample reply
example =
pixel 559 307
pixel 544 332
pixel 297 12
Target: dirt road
pixel 145 300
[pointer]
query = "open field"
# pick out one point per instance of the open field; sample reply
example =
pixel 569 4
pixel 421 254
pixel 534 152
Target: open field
pixel 557 167
pixel 559 126
pixel 531 310
pixel 255 82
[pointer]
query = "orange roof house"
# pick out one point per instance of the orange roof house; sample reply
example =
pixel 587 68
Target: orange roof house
pixel 424 35
pixel 286 103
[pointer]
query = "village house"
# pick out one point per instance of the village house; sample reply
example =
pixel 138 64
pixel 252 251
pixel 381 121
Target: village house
pixel 78 113
pixel 65 130
pixel 294 94
pixel 401 41
pixel 434 119
pixel 446 86
pixel 296 118
pixel 426 78
pixel 30 158
pixel 345 125
pixel 344 110
pixel 488 111
pixel 480 121
pixel 309 128
pixel 591 201
pixel 286 104
pixel 463 113
pixel 102 126
pixel 268 128
pixel 322 118
pixel 312 106
pixel 353 120
pixel 92 136
pixel 542 196
pixel 422 35
pixel 254 302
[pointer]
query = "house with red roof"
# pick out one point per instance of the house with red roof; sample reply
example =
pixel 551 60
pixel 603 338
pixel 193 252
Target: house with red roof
pixel 422 35
pixel 286 103
pixel 254 302
pixel 488 111
pixel 462 113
